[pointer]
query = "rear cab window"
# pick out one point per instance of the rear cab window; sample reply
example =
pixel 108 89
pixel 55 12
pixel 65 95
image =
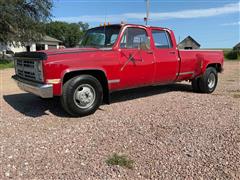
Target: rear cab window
pixel 162 39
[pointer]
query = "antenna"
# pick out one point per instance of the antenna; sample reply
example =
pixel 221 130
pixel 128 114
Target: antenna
pixel 147 11
pixel 105 17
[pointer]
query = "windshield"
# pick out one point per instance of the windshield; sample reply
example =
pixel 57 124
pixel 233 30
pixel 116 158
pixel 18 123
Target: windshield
pixel 101 37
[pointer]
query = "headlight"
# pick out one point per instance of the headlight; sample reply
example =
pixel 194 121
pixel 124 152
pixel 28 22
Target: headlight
pixel 39 70
pixel 39 66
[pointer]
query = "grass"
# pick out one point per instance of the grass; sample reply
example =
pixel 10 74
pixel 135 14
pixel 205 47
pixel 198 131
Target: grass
pixel 120 160
pixel 225 51
pixel 4 64
pixel 226 59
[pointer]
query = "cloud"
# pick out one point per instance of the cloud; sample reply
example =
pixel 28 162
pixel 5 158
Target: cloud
pixel 154 16
pixel 231 24
pixel 92 18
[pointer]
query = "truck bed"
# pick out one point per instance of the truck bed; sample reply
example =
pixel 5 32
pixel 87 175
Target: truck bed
pixel 194 62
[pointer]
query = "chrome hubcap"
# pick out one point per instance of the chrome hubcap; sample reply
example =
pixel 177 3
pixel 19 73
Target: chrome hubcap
pixel 84 96
pixel 211 81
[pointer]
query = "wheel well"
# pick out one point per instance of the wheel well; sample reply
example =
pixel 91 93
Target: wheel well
pixel 217 66
pixel 98 74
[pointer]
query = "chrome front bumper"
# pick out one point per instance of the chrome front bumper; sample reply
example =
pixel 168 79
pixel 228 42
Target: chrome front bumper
pixel 42 90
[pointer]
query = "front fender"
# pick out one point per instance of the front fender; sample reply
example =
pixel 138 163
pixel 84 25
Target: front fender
pixel 69 70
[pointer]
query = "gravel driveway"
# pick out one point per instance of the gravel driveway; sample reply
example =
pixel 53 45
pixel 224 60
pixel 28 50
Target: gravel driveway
pixel 168 131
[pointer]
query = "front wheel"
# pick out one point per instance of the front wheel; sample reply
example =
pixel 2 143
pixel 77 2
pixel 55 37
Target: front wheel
pixel 208 82
pixel 82 95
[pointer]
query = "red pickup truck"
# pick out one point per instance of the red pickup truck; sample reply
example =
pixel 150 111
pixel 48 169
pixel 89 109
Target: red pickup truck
pixel 112 58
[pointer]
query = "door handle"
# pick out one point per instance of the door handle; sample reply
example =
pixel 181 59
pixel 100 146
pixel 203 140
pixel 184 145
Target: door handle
pixel 172 52
pixel 150 52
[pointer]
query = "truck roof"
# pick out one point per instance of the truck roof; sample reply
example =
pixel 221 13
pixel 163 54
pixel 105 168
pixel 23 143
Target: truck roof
pixel 146 26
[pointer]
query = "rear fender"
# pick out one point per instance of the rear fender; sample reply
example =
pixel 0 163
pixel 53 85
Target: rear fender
pixel 216 60
pixel 215 64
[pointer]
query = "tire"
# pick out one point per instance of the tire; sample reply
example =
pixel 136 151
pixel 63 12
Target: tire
pixel 195 85
pixel 208 82
pixel 82 95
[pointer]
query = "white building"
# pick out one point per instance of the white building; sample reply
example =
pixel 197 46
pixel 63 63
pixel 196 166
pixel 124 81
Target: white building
pixel 47 43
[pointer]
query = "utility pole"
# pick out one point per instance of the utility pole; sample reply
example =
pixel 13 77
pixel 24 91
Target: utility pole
pixel 146 19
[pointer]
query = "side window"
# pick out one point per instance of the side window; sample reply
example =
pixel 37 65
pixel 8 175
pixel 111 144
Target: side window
pixel 113 38
pixel 133 37
pixel 162 39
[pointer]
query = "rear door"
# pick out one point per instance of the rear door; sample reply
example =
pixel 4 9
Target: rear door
pixel 166 57
pixel 136 65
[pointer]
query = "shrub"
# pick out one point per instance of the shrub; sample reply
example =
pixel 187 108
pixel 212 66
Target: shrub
pixel 120 160
pixel 231 55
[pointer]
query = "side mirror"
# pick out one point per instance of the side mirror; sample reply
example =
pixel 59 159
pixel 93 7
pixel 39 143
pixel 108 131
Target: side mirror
pixel 145 45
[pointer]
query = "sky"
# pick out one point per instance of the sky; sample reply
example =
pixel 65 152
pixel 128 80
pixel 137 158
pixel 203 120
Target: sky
pixel 213 23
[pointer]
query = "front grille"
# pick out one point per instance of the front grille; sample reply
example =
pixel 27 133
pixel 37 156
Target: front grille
pixel 28 69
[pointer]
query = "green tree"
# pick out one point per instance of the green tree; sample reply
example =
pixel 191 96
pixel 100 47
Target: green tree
pixel 69 33
pixel 22 20
pixel 83 26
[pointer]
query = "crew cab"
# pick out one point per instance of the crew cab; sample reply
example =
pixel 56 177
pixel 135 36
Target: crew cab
pixel 112 58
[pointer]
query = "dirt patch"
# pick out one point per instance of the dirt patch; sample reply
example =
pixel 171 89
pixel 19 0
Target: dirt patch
pixel 236 95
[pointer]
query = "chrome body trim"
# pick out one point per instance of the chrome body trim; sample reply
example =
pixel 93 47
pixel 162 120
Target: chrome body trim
pixel 201 50
pixel 184 73
pixel 113 81
pixel 42 90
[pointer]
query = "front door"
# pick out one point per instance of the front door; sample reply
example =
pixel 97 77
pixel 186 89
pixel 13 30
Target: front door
pixel 136 64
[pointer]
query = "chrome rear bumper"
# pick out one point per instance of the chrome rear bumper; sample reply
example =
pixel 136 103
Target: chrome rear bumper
pixel 42 90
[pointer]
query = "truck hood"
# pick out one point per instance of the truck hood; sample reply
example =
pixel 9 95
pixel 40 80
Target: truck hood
pixel 43 55
pixel 69 51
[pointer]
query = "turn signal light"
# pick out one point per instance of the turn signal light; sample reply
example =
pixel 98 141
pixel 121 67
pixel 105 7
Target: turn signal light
pixel 53 81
